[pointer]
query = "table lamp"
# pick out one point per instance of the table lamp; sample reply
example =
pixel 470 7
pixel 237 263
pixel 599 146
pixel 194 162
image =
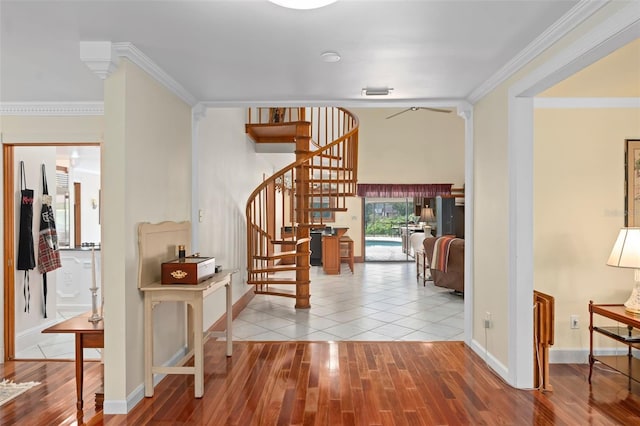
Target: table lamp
pixel 626 254
pixel 427 216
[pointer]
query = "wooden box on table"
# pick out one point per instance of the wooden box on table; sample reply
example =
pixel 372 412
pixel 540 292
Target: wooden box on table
pixel 188 270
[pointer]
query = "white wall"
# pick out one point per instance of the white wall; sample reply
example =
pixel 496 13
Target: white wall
pixel 579 209
pixel 33 321
pixel 90 190
pixel 228 171
pixel 146 177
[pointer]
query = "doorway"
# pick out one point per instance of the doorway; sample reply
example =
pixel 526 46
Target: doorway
pixel 73 180
pixel 388 225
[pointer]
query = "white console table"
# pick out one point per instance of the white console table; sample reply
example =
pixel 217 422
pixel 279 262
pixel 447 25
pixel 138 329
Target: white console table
pixel 193 296
pixel 158 243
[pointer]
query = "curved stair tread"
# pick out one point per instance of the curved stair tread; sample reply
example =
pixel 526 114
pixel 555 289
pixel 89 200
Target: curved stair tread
pixel 293 241
pixel 273 280
pixel 276 268
pixel 282 254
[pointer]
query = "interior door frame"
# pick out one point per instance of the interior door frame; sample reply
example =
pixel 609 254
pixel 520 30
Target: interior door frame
pixel 9 242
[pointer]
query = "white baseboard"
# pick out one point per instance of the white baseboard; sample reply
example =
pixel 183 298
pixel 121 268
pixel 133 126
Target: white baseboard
pixel 114 407
pixel 580 356
pixel 492 362
pixel 124 406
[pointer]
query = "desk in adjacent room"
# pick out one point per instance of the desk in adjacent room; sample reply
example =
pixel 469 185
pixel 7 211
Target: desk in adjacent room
pixel 88 335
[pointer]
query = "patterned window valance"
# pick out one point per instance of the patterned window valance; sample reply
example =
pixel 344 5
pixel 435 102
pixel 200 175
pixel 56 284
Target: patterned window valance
pixel 386 190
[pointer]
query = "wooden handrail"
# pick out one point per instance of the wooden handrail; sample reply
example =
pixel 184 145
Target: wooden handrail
pixel 318 182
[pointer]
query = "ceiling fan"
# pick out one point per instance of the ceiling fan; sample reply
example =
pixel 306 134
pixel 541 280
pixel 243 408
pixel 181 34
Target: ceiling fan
pixel 417 108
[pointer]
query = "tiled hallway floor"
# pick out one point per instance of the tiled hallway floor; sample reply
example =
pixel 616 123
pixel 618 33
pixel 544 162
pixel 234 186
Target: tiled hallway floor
pixel 378 302
pixel 57 346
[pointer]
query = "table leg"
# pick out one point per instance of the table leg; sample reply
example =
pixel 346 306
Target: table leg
pixel 79 370
pixel 148 345
pixel 229 332
pixel 198 347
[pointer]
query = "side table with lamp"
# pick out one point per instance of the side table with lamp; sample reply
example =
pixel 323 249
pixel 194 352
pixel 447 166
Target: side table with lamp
pixel 625 254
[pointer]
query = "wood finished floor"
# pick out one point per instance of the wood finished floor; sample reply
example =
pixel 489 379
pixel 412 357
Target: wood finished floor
pixel 341 383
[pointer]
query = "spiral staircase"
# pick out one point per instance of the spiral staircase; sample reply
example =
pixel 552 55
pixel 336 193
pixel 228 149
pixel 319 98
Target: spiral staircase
pixel 301 196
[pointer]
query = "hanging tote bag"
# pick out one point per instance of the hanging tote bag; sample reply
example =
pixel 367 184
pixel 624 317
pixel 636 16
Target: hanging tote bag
pixel 26 257
pixel 48 253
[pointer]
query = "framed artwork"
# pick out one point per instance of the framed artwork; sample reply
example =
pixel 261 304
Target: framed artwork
pixel 323 203
pixel 276 115
pixel 632 182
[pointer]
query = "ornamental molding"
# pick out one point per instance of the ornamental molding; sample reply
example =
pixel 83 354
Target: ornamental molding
pixel 578 14
pixel 52 108
pixel 135 55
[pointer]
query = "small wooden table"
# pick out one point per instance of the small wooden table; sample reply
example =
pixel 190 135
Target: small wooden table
pixel 627 332
pixel 88 335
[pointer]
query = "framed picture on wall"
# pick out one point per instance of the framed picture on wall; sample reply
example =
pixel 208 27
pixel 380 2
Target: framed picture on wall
pixel 632 182
pixel 323 203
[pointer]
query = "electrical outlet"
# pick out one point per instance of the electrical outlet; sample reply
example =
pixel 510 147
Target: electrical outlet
pixel 575 321
pixel 487 320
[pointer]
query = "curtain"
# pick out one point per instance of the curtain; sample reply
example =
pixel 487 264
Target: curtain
pixel 386 190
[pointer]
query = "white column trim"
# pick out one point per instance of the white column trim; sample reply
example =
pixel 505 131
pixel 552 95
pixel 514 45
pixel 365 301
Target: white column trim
pixel 198 112
pixel 466 112
pixel 613 33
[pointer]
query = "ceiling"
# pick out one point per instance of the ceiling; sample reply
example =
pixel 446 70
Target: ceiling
pixel 252 51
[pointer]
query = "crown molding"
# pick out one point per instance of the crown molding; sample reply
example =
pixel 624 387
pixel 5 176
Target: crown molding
pixel 135 55
pixel 99 57
pixel 578 14
pixel 199 111
pixel 52 108
pixel 541 103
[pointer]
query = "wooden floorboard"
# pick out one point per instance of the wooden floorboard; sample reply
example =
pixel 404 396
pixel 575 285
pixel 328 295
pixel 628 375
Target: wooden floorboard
pixel 336 383
pixel 53 401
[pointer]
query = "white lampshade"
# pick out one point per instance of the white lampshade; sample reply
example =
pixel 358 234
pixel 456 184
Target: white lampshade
pixel 626 249
pixel 626 254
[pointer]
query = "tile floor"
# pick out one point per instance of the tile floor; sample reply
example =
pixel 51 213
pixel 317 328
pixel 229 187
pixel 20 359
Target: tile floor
pixel 57 346
pixel 378 302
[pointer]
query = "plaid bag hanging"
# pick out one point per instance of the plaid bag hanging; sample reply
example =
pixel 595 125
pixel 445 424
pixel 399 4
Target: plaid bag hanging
pixel 26 257
pixel 48 253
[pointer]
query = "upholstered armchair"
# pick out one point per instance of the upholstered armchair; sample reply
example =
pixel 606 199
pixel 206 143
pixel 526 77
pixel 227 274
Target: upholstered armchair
pixel 446 272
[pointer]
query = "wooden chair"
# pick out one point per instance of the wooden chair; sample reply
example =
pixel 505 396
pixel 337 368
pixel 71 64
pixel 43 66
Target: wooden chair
pixel 346 251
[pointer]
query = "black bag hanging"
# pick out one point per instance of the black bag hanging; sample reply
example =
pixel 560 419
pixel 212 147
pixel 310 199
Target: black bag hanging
pixel 26 257
pixel 48 254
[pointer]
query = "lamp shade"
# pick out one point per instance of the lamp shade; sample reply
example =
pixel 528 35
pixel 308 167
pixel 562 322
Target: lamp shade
pixel 626 249
pixel 426 215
